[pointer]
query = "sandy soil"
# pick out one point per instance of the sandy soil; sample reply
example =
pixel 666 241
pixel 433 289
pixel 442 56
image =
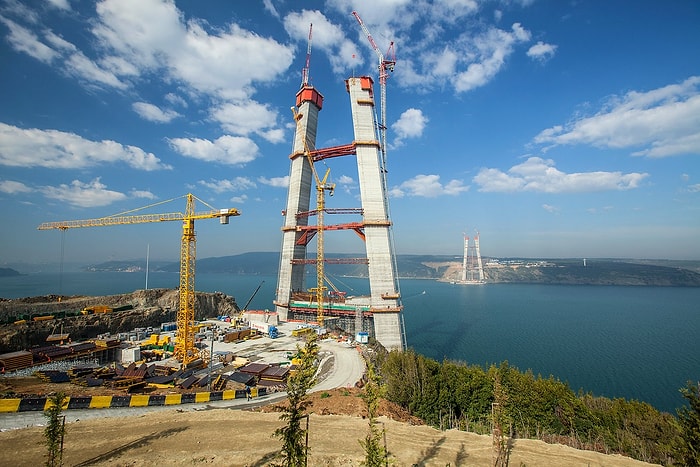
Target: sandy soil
pixel 229 437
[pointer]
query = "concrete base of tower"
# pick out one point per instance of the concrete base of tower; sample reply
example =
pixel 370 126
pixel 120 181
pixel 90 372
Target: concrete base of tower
pixel 282 312
pixel 387 330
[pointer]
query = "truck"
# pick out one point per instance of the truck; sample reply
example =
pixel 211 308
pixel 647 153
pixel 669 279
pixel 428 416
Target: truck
pixel 91 310
pixel 265 328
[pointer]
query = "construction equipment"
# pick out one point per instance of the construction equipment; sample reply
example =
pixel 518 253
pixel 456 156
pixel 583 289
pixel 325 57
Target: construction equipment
pixel 322 185
pixel 386 64
pixel 185 350
pixel 305 71
pixel 239 318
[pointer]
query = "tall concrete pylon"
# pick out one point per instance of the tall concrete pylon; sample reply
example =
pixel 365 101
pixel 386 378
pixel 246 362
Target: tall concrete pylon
pixel 291 271
pixel 381 312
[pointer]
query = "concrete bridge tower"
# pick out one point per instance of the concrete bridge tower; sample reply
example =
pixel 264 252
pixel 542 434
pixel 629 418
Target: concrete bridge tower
pixel 380 313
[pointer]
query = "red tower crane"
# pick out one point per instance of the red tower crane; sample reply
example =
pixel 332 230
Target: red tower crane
pixel 305 71
pixel 386 64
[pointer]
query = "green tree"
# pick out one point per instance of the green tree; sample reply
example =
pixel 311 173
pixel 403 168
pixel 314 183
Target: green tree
pixel 689 420
pixel 375 453
pixel 499 419
pixel 293 436
pixel 55 429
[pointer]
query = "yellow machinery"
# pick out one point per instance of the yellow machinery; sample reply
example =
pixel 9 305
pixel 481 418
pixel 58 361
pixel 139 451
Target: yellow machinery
pixel 322 186
pixel 185 351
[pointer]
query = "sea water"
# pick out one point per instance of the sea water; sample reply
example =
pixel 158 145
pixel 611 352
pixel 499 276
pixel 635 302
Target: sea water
pixel 634 342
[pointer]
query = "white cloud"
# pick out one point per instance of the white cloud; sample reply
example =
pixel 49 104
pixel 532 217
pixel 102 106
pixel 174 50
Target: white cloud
pixel 222 186
pixel 410 124
pixel 59 150
pixel 24 40
pixel 540 175
pixel 551 209
pixel 208 62
pixel 84 195
pixel 694 188
pixel 541 51
pixel 492 50
pixel 246 117
pixel 142 194
pixel 662 122
pixel 153 113
pixel 428 186
pixel 12 187
pixel 230 150
pixel 132 46
pixel 269 6
pixel 60 4
pixel 174 99
pixel 239 199
pixel 602 210
pixel 474 55
pixel 346 180
pixel 277 182
pixel 72 61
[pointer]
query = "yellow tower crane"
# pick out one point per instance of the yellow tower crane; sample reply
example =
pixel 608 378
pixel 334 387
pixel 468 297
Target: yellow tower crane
pixel 322 185
pixel 185 350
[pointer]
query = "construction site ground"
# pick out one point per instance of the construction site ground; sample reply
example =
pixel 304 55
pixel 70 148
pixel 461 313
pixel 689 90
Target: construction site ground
pixel 240 432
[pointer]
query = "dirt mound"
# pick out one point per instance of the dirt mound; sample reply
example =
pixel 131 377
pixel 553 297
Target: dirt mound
pixel 349 402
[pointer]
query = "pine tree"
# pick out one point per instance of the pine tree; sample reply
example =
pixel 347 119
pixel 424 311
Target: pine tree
pixel 298 384
pixel 55 429
pixel 375 452
pixel 689 420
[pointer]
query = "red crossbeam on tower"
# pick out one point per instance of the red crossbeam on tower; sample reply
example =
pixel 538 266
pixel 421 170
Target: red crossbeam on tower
pixel 332 261
pixel 334 151
pixel 308 231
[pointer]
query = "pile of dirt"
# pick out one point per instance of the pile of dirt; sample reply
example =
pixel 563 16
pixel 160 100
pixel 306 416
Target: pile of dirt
pixel 348 402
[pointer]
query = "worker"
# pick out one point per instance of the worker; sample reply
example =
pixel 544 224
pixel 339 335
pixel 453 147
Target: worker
pixel 247 392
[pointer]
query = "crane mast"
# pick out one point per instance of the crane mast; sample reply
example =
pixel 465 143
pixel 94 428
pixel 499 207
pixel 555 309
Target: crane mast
pixel 305 71
pixel 322 185
pixel 386 65
pixel 185 350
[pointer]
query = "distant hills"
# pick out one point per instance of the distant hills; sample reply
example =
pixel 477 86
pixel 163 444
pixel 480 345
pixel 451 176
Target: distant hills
pixel 448 268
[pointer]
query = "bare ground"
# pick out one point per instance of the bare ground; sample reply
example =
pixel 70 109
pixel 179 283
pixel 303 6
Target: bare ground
pixel 228 437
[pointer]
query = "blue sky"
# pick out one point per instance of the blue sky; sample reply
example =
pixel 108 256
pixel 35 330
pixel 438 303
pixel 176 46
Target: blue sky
pixel 554 128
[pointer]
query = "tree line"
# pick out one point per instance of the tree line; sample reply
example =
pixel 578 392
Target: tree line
pixel 457 395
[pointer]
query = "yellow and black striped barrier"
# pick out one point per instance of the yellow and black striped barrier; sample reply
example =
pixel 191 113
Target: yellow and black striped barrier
pixel 39 404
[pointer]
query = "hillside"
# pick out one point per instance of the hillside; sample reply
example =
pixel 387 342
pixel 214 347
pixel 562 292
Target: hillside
pixel 145 308
pixel 448 268
pixel 225 437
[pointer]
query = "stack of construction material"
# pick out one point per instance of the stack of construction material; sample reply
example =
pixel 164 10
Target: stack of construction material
pixel 16 360
pixel 49 353
pixel 81 348
pixel 53 376
pixel 274 376
pixel 255 369
pixel 237 334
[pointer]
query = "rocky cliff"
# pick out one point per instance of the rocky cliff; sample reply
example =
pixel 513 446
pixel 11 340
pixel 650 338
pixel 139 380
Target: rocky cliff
pixel 147 308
